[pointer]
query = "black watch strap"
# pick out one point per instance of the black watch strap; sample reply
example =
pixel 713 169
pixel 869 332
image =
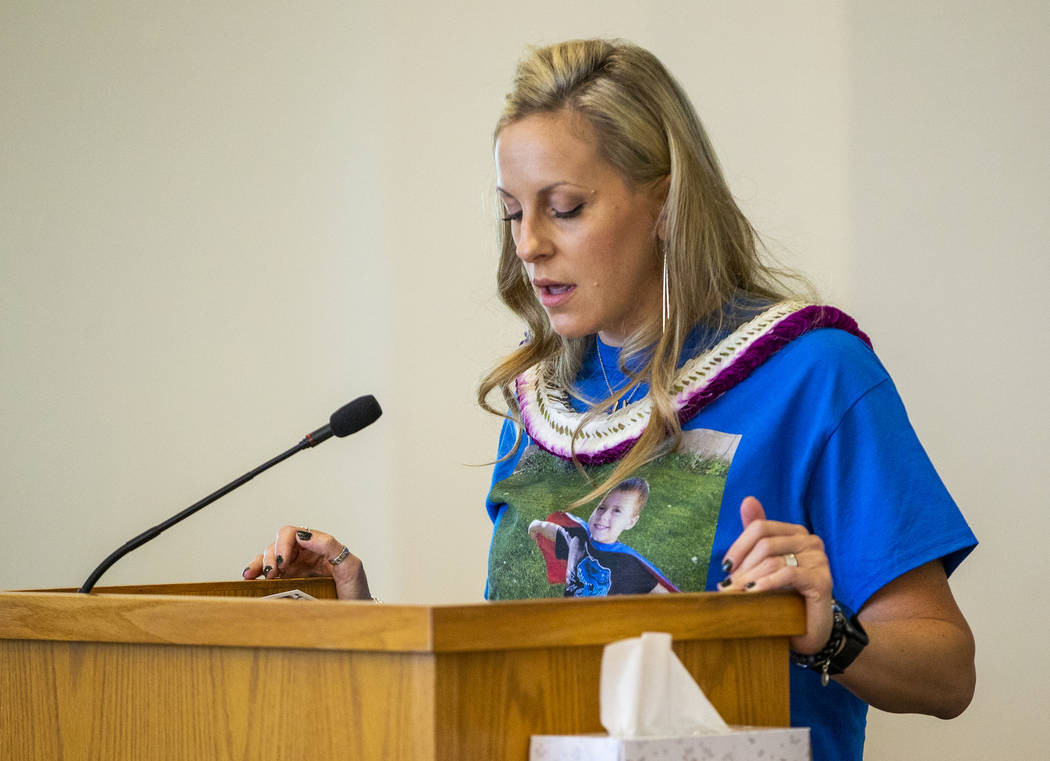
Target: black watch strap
pixel 847 640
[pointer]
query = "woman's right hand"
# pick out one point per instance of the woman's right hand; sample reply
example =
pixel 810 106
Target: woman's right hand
pixel 299 552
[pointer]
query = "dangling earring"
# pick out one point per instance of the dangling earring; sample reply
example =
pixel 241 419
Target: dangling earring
pixel 667 295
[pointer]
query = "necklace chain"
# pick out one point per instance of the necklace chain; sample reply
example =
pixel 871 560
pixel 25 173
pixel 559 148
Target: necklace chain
pixel 622 402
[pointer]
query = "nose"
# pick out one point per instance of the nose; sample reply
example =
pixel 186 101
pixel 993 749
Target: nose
pixel 531 240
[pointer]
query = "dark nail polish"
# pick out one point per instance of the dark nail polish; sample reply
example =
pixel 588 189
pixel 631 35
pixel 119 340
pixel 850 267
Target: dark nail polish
pixel 244 571
pixel 749 585
pixel 727 565
pixel 725 582
pixel 279 561
pixel 304 535
pixel 267 569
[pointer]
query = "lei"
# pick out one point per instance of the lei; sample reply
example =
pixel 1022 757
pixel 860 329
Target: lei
pixel 551 422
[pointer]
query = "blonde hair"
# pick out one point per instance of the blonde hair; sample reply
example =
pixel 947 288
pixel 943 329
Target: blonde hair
pixel 646 128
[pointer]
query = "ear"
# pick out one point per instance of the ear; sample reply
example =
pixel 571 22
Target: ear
pixel 637 509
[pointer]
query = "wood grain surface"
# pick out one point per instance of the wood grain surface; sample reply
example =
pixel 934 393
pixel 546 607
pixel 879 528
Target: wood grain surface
pixel 162 616
pixel 321 587
pixel 163 674
pixel 69 701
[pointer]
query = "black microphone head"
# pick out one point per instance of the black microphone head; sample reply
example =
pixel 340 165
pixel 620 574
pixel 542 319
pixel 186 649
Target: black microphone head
pixel 352 417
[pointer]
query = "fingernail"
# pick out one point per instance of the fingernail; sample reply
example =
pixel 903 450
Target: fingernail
pixel 267 570
pixel 304 535
pixel 749 585
pixel 725 582
pixel 279 560
pixel 244 571
pixel 727 565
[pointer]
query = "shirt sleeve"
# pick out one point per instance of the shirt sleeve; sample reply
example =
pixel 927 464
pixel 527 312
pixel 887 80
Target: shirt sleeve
pixel 504 467
pixel 876 501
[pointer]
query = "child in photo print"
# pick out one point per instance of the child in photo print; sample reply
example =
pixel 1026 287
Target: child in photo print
pixel 588 556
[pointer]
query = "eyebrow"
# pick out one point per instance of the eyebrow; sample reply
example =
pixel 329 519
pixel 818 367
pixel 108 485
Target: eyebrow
pixel 548 188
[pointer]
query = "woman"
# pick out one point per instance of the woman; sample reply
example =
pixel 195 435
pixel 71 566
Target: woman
pixel 659 346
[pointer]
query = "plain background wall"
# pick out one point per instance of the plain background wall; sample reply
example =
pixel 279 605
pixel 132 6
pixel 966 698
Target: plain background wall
pixel 219 222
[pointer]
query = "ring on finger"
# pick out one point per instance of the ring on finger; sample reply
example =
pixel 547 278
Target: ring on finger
pixel 343 555
pixel 791 559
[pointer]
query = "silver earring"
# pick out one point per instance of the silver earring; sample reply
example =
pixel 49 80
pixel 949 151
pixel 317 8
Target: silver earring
pixel 667 296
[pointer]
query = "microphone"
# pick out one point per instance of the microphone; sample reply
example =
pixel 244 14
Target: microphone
pixel 348 419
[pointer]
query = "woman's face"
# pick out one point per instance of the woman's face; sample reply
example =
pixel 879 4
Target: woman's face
pixel 587 240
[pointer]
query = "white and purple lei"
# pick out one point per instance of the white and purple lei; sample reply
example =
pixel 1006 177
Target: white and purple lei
pixel 550 420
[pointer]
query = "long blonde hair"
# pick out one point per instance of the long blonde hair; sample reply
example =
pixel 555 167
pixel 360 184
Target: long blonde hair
pixel 647 129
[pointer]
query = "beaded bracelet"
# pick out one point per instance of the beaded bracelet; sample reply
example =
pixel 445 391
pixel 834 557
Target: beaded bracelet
pixel 835 656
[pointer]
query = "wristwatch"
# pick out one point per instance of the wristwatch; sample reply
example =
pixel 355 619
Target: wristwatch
pixel 847 639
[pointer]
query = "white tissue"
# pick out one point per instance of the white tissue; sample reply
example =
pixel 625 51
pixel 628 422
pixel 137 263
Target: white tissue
pixel 647 692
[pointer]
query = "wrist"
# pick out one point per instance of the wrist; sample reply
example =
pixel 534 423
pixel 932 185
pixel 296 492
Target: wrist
pixel 846 641
pixel 351 583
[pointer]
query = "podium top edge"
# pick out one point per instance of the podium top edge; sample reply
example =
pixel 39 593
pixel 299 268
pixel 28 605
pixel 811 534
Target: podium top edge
pixel 206 620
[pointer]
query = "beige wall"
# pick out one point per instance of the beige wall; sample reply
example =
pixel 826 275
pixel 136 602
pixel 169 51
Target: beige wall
pixel 218 223
pixel 949 176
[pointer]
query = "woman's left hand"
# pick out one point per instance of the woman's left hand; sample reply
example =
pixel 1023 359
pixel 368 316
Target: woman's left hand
pixel 775 555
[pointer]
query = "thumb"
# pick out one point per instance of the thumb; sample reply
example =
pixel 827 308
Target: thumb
pixel 751 511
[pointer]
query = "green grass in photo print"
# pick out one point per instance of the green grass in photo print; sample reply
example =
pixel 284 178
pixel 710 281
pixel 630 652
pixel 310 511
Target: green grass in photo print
pixel 674 532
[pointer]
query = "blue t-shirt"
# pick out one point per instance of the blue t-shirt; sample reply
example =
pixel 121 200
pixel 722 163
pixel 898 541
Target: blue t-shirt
pixel 819 435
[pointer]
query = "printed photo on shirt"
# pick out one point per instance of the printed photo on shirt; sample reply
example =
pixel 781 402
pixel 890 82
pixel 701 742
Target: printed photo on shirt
pixel 588 556
pixel 651 533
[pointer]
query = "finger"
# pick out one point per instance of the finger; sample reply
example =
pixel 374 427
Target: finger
pixel 269 570
pixel 811 577
pixel 283 543
pixel 755 578
pixel 286 557
pixel 321 545
pixel 770 576
pixel 778 547
pixel 755 528
pixel 254 569
pixel 750 511
pixel 773 572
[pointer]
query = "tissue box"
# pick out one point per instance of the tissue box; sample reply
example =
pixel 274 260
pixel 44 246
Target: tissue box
pixel 742 744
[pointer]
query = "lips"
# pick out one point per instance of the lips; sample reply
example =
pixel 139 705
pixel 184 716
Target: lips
pixel 553 293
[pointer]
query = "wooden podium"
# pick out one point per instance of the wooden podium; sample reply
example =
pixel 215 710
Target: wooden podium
pixel 206 671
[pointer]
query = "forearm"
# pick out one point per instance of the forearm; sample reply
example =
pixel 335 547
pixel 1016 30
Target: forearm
pixel 917 666
pixel 544 529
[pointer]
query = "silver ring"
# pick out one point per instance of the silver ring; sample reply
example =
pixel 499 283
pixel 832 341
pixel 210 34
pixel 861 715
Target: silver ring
pixel 791 559
pixel 341 556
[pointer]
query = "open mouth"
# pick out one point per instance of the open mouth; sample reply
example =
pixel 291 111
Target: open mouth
pixel 552 294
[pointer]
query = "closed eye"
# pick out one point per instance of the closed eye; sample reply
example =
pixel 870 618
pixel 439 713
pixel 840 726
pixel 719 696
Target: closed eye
pixel 573 212
pixel 570 213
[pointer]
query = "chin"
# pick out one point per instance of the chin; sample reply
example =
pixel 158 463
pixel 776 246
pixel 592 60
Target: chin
pixel 571 328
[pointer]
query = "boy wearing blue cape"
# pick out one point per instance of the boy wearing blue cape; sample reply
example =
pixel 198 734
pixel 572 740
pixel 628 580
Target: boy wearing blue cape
pixel 588 556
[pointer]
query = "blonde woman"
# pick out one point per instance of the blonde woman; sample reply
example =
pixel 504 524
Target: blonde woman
pixel 660 346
